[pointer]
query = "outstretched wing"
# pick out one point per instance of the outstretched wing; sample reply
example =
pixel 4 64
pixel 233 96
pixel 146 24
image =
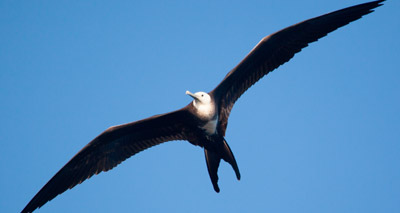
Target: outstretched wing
pixel 276 49
pixel 110 148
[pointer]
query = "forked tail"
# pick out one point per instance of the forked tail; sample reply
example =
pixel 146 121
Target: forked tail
pixel 213 158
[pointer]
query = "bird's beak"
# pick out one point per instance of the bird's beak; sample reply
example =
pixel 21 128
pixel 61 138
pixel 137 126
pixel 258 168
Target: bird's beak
pixel 192 95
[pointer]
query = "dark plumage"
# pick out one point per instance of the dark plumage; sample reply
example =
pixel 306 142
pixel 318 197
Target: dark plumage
pixel 203 122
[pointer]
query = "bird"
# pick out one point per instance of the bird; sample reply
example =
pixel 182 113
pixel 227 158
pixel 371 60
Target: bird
pixel 203 122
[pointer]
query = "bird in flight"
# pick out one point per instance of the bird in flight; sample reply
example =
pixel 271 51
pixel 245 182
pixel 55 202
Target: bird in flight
pixel 203 121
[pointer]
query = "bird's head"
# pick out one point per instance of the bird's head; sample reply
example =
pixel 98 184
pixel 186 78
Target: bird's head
pixel 200 98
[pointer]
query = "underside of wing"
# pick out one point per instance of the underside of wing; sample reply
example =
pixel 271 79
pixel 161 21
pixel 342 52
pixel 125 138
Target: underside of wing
pixel 276 49
pixel 110 148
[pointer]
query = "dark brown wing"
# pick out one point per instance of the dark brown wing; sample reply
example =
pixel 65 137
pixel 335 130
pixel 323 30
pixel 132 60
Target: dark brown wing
pixel 276 49
pixel 110 148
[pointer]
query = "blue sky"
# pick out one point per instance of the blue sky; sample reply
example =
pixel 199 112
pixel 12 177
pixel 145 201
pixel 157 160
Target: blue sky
pixel 319 134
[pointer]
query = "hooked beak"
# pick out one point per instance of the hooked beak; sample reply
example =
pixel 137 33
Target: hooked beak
pixel 192 95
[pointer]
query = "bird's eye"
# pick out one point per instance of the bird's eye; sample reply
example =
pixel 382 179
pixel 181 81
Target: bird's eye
pixel 202 95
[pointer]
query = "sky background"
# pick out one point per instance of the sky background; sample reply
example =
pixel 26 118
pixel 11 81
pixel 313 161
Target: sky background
pixel 319 134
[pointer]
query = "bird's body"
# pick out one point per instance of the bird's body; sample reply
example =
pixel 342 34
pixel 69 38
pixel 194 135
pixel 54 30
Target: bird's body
pixel 203 121
pixel 205 109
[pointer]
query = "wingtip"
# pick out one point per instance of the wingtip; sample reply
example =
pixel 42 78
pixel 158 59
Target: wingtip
pixel 380 2
pixel 375 4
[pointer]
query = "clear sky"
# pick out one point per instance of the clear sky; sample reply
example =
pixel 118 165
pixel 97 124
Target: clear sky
pixel 319 134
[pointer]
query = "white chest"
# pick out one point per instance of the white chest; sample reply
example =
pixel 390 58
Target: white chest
pixel 211 126
pixel 204 111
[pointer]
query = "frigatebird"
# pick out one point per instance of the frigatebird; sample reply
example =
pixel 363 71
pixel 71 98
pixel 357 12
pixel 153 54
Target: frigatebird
pixel 203 121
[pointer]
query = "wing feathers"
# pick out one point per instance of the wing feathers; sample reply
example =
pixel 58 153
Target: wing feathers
pixel 110 148
pixel 275 50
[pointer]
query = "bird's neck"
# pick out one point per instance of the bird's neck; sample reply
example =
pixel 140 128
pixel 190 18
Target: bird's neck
pixel 205 111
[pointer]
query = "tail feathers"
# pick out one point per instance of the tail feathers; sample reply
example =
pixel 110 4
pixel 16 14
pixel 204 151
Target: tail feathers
pixel 213 160
pixel 228 157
